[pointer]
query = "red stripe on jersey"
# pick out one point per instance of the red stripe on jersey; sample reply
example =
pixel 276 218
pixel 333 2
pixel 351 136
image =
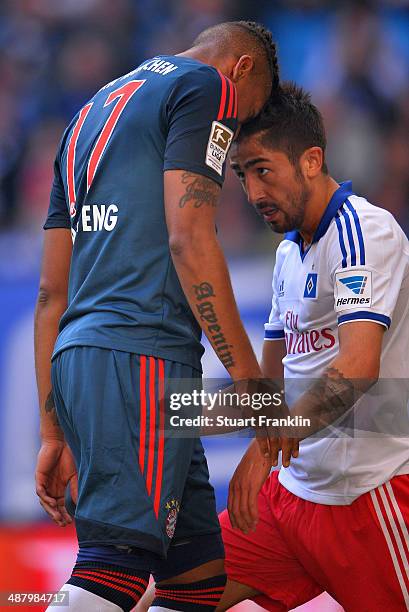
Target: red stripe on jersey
pixel 161 391
pixel 142 404
pixel 236 99
pixel 231 99
pixel 72 196
pixel 223 96
pixel 152 424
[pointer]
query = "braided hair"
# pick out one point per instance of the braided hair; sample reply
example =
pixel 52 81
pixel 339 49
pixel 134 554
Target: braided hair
pixel 265 39
pixel 223 35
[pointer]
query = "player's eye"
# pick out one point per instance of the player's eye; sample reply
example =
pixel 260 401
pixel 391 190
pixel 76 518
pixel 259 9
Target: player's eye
pixel 262 171
pixel 240 175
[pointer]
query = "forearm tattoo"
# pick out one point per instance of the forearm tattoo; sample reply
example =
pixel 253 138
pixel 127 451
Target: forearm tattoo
pixel 331 397
pixel 49 408
pixel 207 313
pixel 199 191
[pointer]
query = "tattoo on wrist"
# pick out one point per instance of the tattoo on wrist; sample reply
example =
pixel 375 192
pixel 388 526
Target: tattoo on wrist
pixel 207 313
pixel 199 191
pixel 49 407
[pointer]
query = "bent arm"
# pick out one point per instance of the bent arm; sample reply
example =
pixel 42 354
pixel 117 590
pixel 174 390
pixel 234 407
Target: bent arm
pixel 190 202
pixel 51 304
pixel 349 375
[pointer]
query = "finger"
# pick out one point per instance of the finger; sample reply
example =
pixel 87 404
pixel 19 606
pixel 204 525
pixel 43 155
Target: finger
pixel 274 448
pixel 286 448
pixel 64 514
pixel 263 442
pixel 43 495
pixel 236 503
pixel 53 513
pixel 252 502
pixel 230 507
pixel 74 488
pixel 244 510
pixel 296 448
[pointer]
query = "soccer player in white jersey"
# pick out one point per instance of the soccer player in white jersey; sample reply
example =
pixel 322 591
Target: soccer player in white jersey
pixel 337 518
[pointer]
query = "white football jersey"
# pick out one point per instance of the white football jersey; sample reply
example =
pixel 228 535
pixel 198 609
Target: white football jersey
pixel 356 269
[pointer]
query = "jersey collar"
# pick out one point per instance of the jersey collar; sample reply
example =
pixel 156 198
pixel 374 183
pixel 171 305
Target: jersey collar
pixel 335 203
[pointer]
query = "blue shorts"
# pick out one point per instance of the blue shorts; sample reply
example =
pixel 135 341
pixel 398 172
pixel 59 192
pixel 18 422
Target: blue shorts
pixel 139 485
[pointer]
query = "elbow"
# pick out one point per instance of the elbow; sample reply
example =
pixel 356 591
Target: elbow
pixel 49 296
pixel 183 245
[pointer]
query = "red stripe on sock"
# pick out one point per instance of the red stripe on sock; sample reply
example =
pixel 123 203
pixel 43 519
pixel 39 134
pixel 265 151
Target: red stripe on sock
pixel 142 399
pixel 222 97
pixel 159 472
pixel 92 578
pixel 192 591
pixel 127 577
pixel 152 424
pixel 203 602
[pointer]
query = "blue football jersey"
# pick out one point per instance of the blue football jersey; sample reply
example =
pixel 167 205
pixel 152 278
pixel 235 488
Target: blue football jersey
pixel 124 293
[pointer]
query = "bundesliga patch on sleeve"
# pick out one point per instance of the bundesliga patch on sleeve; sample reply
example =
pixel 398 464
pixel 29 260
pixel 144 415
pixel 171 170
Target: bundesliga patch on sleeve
pixel 353 288
pixel 218 146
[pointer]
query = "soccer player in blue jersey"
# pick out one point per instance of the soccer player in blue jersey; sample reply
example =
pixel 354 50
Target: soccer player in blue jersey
pixel 132 273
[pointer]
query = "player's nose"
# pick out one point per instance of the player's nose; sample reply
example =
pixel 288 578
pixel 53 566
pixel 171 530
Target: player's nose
pixel 255 192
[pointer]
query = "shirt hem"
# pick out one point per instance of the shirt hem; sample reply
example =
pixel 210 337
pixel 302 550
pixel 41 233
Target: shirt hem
pixel 176 355
pixel 327 499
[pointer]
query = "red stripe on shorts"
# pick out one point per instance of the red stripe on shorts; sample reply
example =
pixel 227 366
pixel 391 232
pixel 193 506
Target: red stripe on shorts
pixel 142 403
pixel 159 472
pixel 152 424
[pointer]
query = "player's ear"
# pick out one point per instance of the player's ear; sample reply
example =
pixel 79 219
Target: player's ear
pixel 242 68
pixel 312 161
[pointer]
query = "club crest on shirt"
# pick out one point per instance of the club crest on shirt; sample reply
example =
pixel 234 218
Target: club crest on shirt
pixel 173 507
pixel 310 289
pixel 218 146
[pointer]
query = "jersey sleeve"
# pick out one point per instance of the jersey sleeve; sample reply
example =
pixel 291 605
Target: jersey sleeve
pixel 367 265
pixel 58 215
pixel 202 119
pixel 274 330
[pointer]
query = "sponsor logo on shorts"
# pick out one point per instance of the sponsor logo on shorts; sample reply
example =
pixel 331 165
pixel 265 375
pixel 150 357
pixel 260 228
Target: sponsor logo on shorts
pixel 173 508
pixel 218 146
pixel 353 288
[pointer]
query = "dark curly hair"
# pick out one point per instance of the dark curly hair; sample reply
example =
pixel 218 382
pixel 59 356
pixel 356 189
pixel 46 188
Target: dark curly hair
pixel 289 122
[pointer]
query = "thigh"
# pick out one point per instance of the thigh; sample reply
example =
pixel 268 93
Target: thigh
pixel 112 407
pixel 360 552
pixel 194 527
pixel 263 560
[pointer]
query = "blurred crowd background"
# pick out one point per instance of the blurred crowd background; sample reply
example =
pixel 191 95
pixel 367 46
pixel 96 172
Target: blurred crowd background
pixel 352 55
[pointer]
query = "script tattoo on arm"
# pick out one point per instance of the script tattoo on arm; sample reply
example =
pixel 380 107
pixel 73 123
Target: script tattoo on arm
pixel 207 313
pixel 200 191
pixel 49 407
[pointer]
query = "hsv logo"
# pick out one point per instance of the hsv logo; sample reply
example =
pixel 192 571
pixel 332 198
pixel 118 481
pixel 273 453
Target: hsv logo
pixel 353 289
pixel 310 290
pixel 218 146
